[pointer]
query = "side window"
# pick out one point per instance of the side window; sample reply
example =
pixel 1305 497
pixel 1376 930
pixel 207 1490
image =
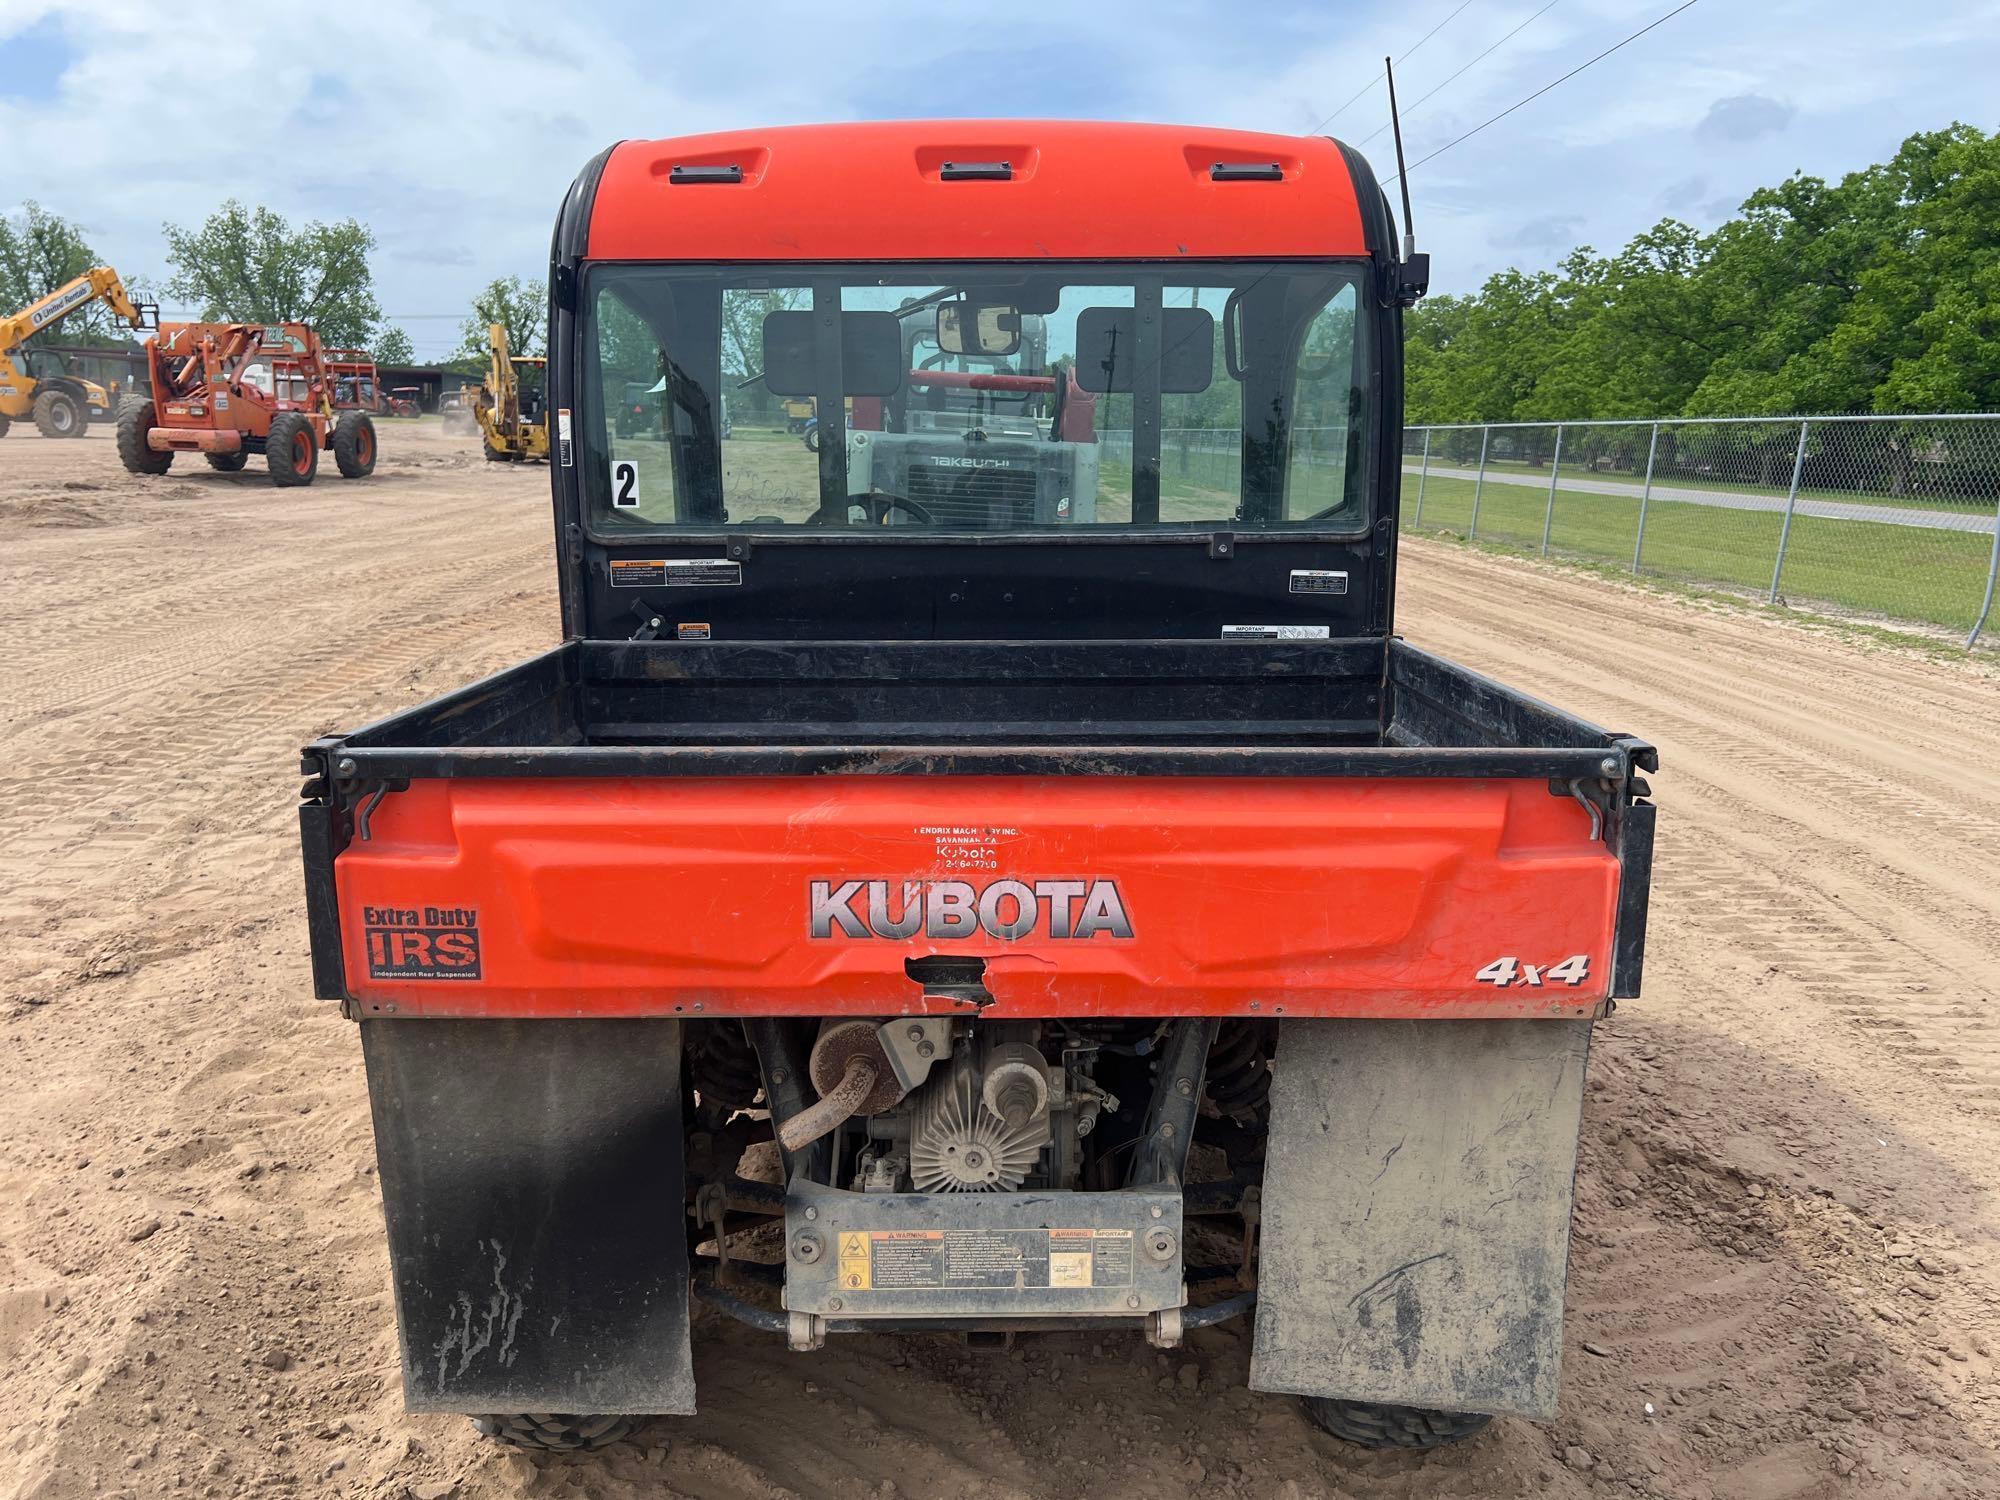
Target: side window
pixel 255 373
pixel 631 369
pixel 1323 457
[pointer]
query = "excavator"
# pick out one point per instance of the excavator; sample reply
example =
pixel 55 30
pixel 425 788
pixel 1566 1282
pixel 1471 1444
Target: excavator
pixel 61 403
pixel 512 427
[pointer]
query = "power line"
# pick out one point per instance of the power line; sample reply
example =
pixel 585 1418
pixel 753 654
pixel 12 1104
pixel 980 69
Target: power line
pixel 1685 5
pixel 1380 76
pixel 1411 109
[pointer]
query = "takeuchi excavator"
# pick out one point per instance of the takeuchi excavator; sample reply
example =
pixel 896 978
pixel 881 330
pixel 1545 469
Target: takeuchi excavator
pixel 61 404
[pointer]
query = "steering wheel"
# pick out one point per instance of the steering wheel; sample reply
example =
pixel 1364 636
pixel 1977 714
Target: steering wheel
pixel 877 504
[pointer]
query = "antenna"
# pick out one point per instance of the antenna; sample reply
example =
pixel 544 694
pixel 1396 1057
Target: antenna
pixel 1402 170
pixel 1414 277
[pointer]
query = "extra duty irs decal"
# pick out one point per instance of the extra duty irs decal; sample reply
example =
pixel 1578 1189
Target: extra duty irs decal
pixel 1003 909
pixel 422 942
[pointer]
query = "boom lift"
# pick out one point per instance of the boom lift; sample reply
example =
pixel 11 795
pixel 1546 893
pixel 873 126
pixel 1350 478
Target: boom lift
pixel 512 428
pixel 61 404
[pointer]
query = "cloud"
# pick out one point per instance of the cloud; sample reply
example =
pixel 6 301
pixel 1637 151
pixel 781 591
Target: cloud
pixel 1744 117
pixel 1557 232
pixel 452 128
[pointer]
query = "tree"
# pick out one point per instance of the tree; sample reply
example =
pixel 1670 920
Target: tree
pixel 392 347
pixel 40 251
pixel 251 266
pixel 1877 293
pixel 520 307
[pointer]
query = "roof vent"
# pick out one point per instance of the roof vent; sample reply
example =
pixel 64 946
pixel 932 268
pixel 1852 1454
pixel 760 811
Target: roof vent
pixel 977 171
pixel 691 176
pixel 1246 171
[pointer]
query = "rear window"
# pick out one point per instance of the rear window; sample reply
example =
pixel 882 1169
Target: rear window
pixel 976 399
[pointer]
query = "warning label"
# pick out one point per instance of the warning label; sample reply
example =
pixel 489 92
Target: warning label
pixel 984 1259
pixel 674 573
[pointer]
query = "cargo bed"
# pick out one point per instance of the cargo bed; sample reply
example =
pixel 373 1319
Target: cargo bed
pixel 1368 817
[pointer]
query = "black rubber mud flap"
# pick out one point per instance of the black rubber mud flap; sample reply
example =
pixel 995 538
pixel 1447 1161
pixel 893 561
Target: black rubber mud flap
pixel 1417 1196
pixel 531 1178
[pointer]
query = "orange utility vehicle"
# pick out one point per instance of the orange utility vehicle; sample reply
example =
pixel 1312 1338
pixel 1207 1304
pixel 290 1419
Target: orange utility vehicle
pixel 1058 870
pixel 355 383
pixel 230 390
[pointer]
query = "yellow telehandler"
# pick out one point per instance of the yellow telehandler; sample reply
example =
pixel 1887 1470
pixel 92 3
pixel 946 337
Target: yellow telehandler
pixel 513 425
pixel 60 403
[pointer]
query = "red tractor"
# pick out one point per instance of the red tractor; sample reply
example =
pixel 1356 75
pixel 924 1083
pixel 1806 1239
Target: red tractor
pixel 228 390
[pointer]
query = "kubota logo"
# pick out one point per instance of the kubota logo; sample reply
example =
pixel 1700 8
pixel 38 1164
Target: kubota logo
pixel 1003 909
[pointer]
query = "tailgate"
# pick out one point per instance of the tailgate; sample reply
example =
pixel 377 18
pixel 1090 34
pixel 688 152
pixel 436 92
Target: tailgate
pixel 1057 896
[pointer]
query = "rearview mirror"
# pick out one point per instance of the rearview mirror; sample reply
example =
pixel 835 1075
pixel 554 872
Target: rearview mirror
pixel 978 328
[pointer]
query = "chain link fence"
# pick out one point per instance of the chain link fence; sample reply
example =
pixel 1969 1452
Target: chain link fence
pixel 1893 519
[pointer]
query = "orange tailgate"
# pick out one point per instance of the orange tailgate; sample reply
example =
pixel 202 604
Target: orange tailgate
pixel 1084 896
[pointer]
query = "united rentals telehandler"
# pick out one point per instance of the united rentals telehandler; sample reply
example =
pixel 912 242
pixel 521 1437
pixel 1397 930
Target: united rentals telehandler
pixel 513 425
pixel 231 390
pixel 61 404
pixel 1108 919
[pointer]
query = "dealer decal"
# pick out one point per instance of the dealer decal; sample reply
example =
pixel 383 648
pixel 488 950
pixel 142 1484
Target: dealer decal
pixel 1002 909
pixel 422 942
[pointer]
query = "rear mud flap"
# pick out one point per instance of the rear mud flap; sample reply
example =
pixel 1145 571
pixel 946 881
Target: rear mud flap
pixel 1416 1206
pixel 531 1178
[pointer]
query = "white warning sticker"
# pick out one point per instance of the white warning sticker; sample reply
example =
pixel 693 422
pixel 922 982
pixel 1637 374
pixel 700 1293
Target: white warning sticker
pixel 563 437
pixel 1277 632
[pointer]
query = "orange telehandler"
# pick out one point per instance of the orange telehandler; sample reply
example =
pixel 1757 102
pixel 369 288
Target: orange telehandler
pixel 230 390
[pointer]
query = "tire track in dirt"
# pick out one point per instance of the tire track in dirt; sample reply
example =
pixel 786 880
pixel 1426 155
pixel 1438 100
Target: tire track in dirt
pixel 1804 847
pixel 1763 1131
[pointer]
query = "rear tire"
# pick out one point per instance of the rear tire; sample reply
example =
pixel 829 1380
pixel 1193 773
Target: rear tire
pixel 58 414
pixel 5 423
pixel 497 455
pixel 135 420
pixel 292 450
pixel 1373 1425
pixel 228 463
pixel 557 1432
pixel 354 446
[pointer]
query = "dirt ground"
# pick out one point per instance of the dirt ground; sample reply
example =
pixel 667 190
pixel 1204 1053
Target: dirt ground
pixel 1785 1279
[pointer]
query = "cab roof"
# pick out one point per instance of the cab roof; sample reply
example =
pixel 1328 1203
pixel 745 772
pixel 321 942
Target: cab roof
pixel 978 190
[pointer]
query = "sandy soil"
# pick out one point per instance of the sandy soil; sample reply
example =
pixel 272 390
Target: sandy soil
pixel 1785 1280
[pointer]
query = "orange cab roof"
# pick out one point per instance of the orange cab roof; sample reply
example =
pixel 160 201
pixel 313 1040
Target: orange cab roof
pixel 878 192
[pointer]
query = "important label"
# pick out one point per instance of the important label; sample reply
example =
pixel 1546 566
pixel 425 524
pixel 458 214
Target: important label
pixel 1276 632
pixel 1318 581
pixel 674 573
pixel 565 450
pixel 886 1260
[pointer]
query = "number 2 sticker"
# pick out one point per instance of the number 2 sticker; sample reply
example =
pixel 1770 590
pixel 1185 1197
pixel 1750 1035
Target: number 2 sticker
pixel 624 484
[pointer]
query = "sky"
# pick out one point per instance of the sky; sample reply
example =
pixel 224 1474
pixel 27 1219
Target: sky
pixel 453 130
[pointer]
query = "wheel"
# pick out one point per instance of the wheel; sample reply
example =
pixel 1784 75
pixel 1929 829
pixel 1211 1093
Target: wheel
pixel 58 414
pixel 812 439
pixel 228 463
pixel 4 425
pixel 496 455
pixel 1376 1426
pixel 292 450
pixel 354 446
pixel 135 420
pixel 556 1432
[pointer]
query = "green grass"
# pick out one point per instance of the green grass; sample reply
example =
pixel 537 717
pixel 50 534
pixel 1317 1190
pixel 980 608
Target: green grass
pixel 1515 469
pixel 1895 572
